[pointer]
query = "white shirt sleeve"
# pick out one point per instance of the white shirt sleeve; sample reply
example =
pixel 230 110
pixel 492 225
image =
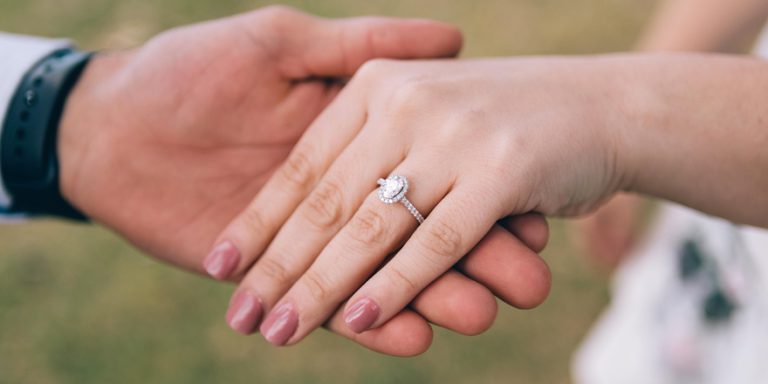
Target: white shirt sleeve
pixel 17 56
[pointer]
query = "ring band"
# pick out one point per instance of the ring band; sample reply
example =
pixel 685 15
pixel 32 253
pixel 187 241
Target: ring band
pixel 393 189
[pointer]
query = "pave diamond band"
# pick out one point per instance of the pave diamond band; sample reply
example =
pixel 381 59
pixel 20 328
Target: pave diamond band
pixel 393 189
pixel 412 210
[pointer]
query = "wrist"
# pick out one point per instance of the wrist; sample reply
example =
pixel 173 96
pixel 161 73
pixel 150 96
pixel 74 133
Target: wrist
pixel 86 117
pixel 636 106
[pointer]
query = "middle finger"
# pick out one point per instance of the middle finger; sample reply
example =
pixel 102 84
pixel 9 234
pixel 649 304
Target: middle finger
pixel 350 257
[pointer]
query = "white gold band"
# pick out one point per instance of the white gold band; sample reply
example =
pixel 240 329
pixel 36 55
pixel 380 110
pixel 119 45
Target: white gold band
pixel 415 212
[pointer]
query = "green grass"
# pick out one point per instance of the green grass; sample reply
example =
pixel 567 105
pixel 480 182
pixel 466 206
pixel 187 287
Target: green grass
pixel 78 305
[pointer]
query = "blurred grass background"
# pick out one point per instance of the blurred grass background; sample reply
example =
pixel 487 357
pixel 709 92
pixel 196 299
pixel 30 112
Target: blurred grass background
pixel 78 305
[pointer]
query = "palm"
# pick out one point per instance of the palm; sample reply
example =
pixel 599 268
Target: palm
pixel 218 117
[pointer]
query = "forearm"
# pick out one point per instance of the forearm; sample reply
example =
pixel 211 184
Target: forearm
pixel 696 132
pixel 705 25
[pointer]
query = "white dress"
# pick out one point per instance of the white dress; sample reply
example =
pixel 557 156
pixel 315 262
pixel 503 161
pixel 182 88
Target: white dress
pixel 690 305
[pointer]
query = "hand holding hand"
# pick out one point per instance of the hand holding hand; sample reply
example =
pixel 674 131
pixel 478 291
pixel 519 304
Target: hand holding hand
pixel 167 142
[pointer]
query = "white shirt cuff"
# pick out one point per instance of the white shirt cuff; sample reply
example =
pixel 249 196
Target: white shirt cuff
pixel 20 53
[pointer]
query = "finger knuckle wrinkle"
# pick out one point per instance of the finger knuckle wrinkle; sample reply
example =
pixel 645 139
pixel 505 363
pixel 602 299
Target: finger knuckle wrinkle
pixel 298 170
pixel 441 240
pixel 399 278
pixel 318 286
pixel 367 227
pixel 274 271
pixel 253 220
pixel 324 206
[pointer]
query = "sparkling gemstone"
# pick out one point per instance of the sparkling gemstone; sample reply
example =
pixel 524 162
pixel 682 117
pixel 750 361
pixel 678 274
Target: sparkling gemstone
pixel 392 186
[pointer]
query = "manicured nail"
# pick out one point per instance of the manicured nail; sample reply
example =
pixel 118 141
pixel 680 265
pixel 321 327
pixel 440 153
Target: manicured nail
pixel 222 260
pixel 244 312
pixel 360 316
pixel 280 325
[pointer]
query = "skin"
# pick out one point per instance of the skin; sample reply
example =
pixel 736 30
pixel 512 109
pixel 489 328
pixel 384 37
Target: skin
pixel 166 143
pixel 705 25
pixel 609 234
pixel 486 139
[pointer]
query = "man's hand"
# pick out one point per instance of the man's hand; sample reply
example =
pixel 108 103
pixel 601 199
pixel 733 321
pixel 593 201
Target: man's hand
pixel 167 142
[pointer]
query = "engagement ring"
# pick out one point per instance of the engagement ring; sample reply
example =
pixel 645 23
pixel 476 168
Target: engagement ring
pixel 393 189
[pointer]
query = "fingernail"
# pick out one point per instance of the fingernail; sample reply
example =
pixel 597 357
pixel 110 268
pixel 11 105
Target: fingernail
pixel 360 316
pixel 244 312
pixel 280 325
pixel 222 260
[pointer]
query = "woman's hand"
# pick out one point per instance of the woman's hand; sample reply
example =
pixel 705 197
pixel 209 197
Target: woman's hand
pixel 481 140
pixel 477 140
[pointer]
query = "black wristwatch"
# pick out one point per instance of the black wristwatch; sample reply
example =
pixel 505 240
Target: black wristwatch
pixel 28 146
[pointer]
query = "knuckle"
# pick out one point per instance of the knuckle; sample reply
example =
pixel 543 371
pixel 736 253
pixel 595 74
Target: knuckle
pixel 274 271
pixel 324 206
pixel 253 220
pixel 318 286
pixel 367 227
pixel 413 96
pixel 373 70
pixel 461 126
pixel 399 278
pixel 441 241
pixel 468 121
pixel 277 13
pixel 297 170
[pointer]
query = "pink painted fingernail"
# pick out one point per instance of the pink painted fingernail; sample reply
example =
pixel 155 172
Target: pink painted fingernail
pixel 244 312
pixel 222 260
pixel 280 325
pixel 360 316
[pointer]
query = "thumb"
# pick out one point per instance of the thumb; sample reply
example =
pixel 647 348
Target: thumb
pixel 320 47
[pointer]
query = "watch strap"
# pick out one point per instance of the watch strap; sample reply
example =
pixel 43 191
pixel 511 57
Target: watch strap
pixel 30 168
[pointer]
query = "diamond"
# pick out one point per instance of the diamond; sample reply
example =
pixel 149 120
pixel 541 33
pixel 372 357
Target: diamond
pixel 392 189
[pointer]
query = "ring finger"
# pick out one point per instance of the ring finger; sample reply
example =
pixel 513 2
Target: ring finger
pixel 351 257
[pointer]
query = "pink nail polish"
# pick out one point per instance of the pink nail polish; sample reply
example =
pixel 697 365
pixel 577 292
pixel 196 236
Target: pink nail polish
pixel 361 315
pixel 244 312
pixel 280 325
pixel 222 260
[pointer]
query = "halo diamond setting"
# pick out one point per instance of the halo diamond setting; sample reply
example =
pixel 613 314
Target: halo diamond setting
pixel 393 189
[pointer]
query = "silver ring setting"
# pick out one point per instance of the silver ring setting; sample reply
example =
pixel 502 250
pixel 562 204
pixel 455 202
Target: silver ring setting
pixel 393 189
